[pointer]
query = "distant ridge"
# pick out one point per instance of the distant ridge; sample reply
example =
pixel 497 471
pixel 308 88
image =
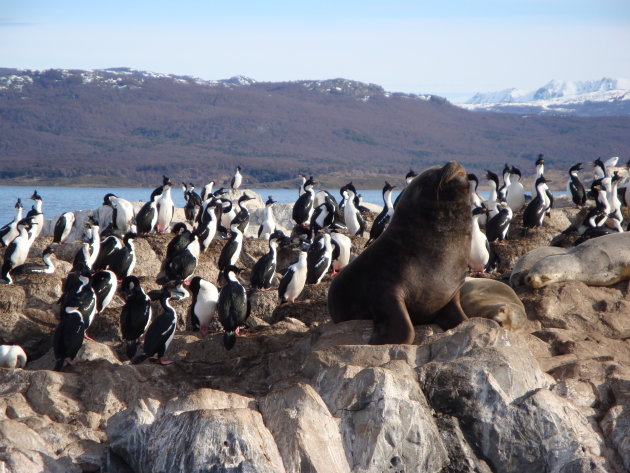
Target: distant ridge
pixel 603 97
pixel 125 127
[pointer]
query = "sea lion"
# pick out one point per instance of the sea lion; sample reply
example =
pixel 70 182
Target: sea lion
pixel 602 261
pixel 525 263
pixel 12 356
pixel 412 273
pixel 492 299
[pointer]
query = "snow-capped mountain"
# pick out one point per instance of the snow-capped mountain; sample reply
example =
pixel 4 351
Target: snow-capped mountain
pixel 589 98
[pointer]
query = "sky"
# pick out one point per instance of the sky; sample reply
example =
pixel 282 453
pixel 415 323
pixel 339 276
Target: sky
pixel 452 48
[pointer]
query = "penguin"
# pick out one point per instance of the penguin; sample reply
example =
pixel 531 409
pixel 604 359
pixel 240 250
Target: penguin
pixel 303 207
pixel 492 204
pixel 575 188
pixel 104 285
pixel 534 213
pixel 159 334
pixel 205 297
pixel 342 246
pixel 382 219
pixel 352 216
pixel 232 306
pixel 68 337
pixel 135 315
pixel 37 215
pixel 123 260
pixel 515 197
pixel 479 246
pixel 63 227
pixel 17 251
pixel 47 268
pixel 268 225
pixel 231 251
pixel 147 216
pixel 207 227
pixel 166 208
pixel 410 176
pixel 265 268
pixel 181 266
pixel 294 278
pixel 498 226
pixel 242 216
pixel 122 212
pixel 10 231
pixel 12 356
pixel 237 179
pixel 323 216
pixel 318 258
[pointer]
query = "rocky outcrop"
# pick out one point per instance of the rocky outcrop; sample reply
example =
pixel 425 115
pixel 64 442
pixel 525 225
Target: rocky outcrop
pixel 300 394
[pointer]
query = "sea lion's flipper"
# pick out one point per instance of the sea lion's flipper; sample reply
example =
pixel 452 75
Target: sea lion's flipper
pixel 452 314
pixel 392 323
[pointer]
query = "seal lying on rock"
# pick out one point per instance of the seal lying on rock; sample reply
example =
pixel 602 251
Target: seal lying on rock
pixel 412 273
pixel 491 299
pixel 525 263
pixel 602 261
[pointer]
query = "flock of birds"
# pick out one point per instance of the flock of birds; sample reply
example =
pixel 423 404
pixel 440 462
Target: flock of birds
pixel 106 260
pixel 609 190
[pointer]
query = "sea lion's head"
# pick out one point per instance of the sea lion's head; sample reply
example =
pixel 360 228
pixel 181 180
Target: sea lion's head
pixel 448 183
pixel 551 269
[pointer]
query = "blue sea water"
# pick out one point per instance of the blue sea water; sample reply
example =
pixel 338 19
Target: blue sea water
pixel 58 200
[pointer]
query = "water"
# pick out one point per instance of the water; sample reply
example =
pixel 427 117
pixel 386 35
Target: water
pixel 58 200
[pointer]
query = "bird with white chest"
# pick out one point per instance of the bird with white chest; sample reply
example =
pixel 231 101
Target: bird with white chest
pixel 479 247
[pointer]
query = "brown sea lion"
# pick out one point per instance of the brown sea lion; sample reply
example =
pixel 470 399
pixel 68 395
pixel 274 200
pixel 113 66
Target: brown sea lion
pixel 412 273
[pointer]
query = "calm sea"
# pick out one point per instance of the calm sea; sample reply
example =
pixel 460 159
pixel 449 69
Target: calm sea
pixel 58 200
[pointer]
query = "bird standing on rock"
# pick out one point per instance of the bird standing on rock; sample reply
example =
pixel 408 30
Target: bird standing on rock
pixel 294 279
pixel 159 335
pixel 237 179
pixel 135 315
pixel 205 297
pixel 233 306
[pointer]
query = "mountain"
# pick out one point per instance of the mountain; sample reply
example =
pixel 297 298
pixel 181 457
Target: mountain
pixel 127 128
pixel 603 97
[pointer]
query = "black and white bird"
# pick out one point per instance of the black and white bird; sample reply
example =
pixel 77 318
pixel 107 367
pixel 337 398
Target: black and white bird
pixel 498 226
pixel 205 297
pixel 265 268
pixel 242 216
pixel 515 197
pixel 206 192
pixel 323 216
pixel 122 261
pixel 303 207
pixel 78 293
pixel 540 170
pixel 575 188
pixel 47 268
pixel 147 216
pixel 165 208
pixel 301 189
pixel 68 337
pixel 9 231
pixel 268 225
pixel 342 246
pixel 232 306
pixel 166 181
pixel 383 218
pixel 180 267
pixel 613 197
pixel 534 213
pixel 231 251
pixel 135 315
pixel 237 179
pixel 37 215
pixel 193 201
pixel 318 258
pixel 479 246
pixel 159 334
pixel 106 247
pixel 183 237
pixel 410 176
pixel 502 191
pixel 352 216
pixel 63 227
pixel 104 284
pixel 122 212
pixel 492 204
pixel 17 251
pixel 207 226
pixel 294 278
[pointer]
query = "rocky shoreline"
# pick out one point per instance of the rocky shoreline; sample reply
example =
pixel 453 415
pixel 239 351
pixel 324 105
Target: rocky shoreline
pixel 300 394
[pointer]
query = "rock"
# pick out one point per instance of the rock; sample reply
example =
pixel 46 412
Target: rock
pixel 198 440
pixel 306 434
pixel 616 427
pixel 12 298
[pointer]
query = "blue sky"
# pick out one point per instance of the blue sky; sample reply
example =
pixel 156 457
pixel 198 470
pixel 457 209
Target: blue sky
pixel 450 48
